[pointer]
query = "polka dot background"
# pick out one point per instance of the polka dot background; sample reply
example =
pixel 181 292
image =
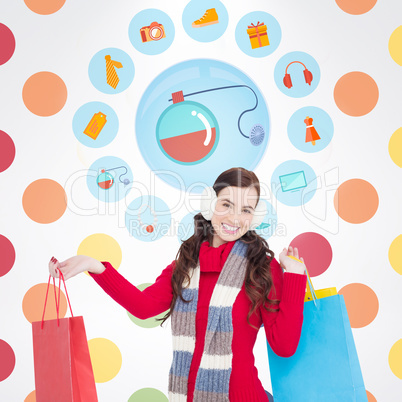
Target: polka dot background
pixel 44 93
pixel 347 230
pixel 7 44
pixel 106 359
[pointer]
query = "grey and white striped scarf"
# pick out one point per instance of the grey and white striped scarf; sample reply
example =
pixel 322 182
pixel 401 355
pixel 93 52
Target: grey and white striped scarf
pixel 212 383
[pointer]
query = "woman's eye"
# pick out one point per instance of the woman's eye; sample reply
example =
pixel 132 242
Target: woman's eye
pixel 247 211
pixel 226 204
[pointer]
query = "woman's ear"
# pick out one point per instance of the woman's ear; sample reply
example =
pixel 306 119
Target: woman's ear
pixel 208 203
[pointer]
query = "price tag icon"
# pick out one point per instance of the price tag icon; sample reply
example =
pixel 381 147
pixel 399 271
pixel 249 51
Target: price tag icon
pixel 95 125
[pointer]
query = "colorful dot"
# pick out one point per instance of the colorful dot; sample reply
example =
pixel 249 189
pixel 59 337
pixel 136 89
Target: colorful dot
pixel 315 250
pixel 395 254
pixel 44 201
pixel 7 361
pixel 361 303
pixel 44 93
pixel 370 397
pixel 7 151
pixel 44 7
pixel 356 201
pixel 7 44
pixel 395 45
pixel 102 247
pixel 33 303
pixel 356 93
pixel 148 394
pixel 395 147
pixel 31 397
pixel 7 253
pixel 106 359
pixel 356 7
pixel 395 359
pixel 148 322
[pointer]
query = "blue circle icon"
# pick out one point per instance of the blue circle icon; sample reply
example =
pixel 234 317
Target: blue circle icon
pixel 111 71
pixel 148 218
pixel 186 227
pixel 197 119
pixel 258 34
pixel 151 31
pixel 109 179
pixel 297 74
pixel 95 124
pixel 205 21
pixel 267 227
pixel 310 129
pixel 294 183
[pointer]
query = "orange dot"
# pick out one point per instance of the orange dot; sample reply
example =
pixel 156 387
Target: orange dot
pixel 31 397
pixel 370 397
pixel 356 94
pixel 356 7
pixel 356 201
pixel 44 93
pixel 44 7
pixel 361 303
pixel 33 303
pixel 44 201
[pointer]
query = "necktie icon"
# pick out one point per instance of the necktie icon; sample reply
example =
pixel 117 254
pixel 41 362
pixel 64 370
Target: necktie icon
pixel 111 76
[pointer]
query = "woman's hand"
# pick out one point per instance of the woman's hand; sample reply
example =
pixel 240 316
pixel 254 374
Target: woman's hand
pixel 74 266
pixel 289 264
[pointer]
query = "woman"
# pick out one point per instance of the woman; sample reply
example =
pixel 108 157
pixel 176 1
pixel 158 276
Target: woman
pixel 222 287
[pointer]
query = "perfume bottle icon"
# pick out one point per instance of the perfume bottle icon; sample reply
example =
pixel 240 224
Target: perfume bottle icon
pixel 105 180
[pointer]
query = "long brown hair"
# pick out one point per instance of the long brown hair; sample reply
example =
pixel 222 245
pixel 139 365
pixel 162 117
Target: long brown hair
pixel 258 279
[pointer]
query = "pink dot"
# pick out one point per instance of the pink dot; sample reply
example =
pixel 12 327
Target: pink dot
pixel 7 253
pixel 7 151
pixel 7 361
pixel 315 250
pixel 7 44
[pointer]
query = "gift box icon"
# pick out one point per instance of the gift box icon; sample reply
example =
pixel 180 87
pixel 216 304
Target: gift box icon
pixel 258 35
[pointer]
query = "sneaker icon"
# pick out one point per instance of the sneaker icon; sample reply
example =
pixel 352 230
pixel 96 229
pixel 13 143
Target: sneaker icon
pixel 210 17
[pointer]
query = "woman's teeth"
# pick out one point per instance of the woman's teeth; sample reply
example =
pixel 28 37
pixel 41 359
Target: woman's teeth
pixel 229 229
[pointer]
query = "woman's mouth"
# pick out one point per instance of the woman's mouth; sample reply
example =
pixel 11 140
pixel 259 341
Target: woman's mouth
pixel 229 229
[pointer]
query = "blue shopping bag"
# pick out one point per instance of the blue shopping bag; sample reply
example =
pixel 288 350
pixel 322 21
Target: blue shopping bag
pixel 325 367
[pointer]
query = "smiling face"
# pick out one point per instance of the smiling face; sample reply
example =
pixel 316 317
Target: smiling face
pixel 233 213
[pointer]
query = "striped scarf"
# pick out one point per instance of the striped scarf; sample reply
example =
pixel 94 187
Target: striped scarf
pixel 212 382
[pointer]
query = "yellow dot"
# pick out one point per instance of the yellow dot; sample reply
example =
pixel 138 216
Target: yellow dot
pixel 395 359
pixel 395 45
pixel 106 359
pixel 102 247
pixel 395 254
pixel 395 147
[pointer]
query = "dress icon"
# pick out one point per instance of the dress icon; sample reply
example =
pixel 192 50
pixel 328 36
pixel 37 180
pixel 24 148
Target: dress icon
pixel 311 133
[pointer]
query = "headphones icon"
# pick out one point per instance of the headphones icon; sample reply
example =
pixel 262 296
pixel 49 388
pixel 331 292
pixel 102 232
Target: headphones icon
pixel 308 76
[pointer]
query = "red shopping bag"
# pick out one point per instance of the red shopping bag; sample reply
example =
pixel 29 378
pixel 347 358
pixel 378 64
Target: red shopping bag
pixel 63 368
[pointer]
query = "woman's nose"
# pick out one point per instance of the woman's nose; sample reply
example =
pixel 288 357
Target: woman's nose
pixel 235 218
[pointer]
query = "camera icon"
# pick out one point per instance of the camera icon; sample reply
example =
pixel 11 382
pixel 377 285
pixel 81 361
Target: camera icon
pixel 154 31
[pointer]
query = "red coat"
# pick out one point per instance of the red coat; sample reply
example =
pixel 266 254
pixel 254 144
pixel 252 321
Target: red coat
pixel 282 328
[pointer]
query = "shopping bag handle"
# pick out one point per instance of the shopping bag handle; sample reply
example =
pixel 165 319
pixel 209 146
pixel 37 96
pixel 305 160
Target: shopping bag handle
pixel 309 283
pixel 55 297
